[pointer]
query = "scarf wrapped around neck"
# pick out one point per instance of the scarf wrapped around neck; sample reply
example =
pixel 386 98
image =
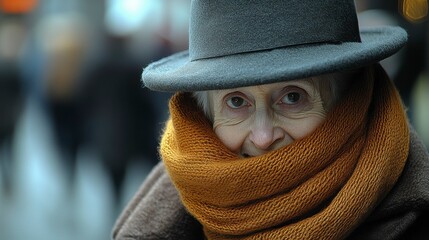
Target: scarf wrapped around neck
pixel 319 187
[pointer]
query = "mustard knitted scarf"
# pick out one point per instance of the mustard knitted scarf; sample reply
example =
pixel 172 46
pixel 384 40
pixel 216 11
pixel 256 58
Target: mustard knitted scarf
pixel 319 187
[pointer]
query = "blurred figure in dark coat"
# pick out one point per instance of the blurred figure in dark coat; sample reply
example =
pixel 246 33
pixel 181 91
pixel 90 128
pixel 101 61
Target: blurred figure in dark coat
pixel 12 35
pixel 63 41
pixel 120 119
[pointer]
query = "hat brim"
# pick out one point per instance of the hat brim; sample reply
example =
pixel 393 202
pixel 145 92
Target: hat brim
pixel 177 73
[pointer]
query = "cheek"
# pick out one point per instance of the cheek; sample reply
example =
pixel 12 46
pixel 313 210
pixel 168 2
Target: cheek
pixel 231 136
pixel 301 128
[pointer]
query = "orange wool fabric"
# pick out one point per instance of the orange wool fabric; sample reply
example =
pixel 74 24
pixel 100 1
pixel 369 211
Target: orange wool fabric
pixel 319 187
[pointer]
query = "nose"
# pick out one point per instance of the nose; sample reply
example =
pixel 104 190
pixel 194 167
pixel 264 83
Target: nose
pixel 264 133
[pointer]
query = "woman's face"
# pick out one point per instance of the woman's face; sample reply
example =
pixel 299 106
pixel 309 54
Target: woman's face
pixel 254 120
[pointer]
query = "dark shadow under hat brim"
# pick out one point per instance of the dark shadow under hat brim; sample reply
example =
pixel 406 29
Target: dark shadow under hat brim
pixel 177 73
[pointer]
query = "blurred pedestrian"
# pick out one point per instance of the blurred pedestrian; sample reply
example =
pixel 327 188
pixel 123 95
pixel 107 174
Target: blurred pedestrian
pixel 54 65
pixel 12 36
pixel 120 120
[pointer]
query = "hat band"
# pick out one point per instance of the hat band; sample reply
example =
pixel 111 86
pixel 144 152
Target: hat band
pixel 230 27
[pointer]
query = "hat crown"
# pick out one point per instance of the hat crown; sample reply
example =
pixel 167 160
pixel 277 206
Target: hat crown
pixel 226 27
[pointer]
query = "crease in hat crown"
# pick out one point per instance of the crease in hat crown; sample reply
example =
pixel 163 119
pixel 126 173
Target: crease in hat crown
pixel 237 43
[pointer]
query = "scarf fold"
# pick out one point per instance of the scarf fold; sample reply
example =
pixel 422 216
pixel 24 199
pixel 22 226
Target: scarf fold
pixel 319 187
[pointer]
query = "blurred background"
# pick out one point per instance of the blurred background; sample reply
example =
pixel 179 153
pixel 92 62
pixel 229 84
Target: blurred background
pixel 78 133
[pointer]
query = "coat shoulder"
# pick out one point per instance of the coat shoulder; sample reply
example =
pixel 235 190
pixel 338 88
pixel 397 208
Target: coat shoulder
pixel 156 212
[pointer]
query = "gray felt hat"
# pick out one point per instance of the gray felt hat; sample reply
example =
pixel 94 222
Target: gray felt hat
pixel 236 43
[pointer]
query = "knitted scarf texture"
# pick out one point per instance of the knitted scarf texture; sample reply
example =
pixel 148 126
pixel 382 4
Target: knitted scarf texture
pixel 319 187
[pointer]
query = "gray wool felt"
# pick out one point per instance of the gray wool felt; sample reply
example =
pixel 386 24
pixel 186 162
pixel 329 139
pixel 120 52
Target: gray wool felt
pixel 177 73
pixel 241 43
pixel 229 27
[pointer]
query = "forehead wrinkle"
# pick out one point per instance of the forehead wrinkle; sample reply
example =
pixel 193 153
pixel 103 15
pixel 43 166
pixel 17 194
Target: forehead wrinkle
pixel 309 82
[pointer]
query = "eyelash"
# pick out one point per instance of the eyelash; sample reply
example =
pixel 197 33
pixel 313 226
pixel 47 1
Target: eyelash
pixel 229 98
pixel 302 100
pixel 302 97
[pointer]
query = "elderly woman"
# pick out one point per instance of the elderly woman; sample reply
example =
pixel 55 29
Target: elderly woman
pixel 283 127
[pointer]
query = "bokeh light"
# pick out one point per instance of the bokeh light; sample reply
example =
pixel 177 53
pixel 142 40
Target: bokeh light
pixel 17 6
pixel 414 10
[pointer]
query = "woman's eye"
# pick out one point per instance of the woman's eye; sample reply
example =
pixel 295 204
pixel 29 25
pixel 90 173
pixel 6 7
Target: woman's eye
pixel 236 102
pixel 291 98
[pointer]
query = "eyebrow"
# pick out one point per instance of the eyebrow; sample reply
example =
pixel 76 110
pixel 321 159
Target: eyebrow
pixel 309 82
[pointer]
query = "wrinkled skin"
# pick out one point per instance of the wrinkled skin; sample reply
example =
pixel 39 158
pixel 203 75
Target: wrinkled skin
pixel 253 120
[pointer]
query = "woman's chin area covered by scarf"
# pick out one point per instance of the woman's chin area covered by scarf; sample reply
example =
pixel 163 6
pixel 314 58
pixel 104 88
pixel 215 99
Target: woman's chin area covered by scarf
pixel 313 144
pixel 258 178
